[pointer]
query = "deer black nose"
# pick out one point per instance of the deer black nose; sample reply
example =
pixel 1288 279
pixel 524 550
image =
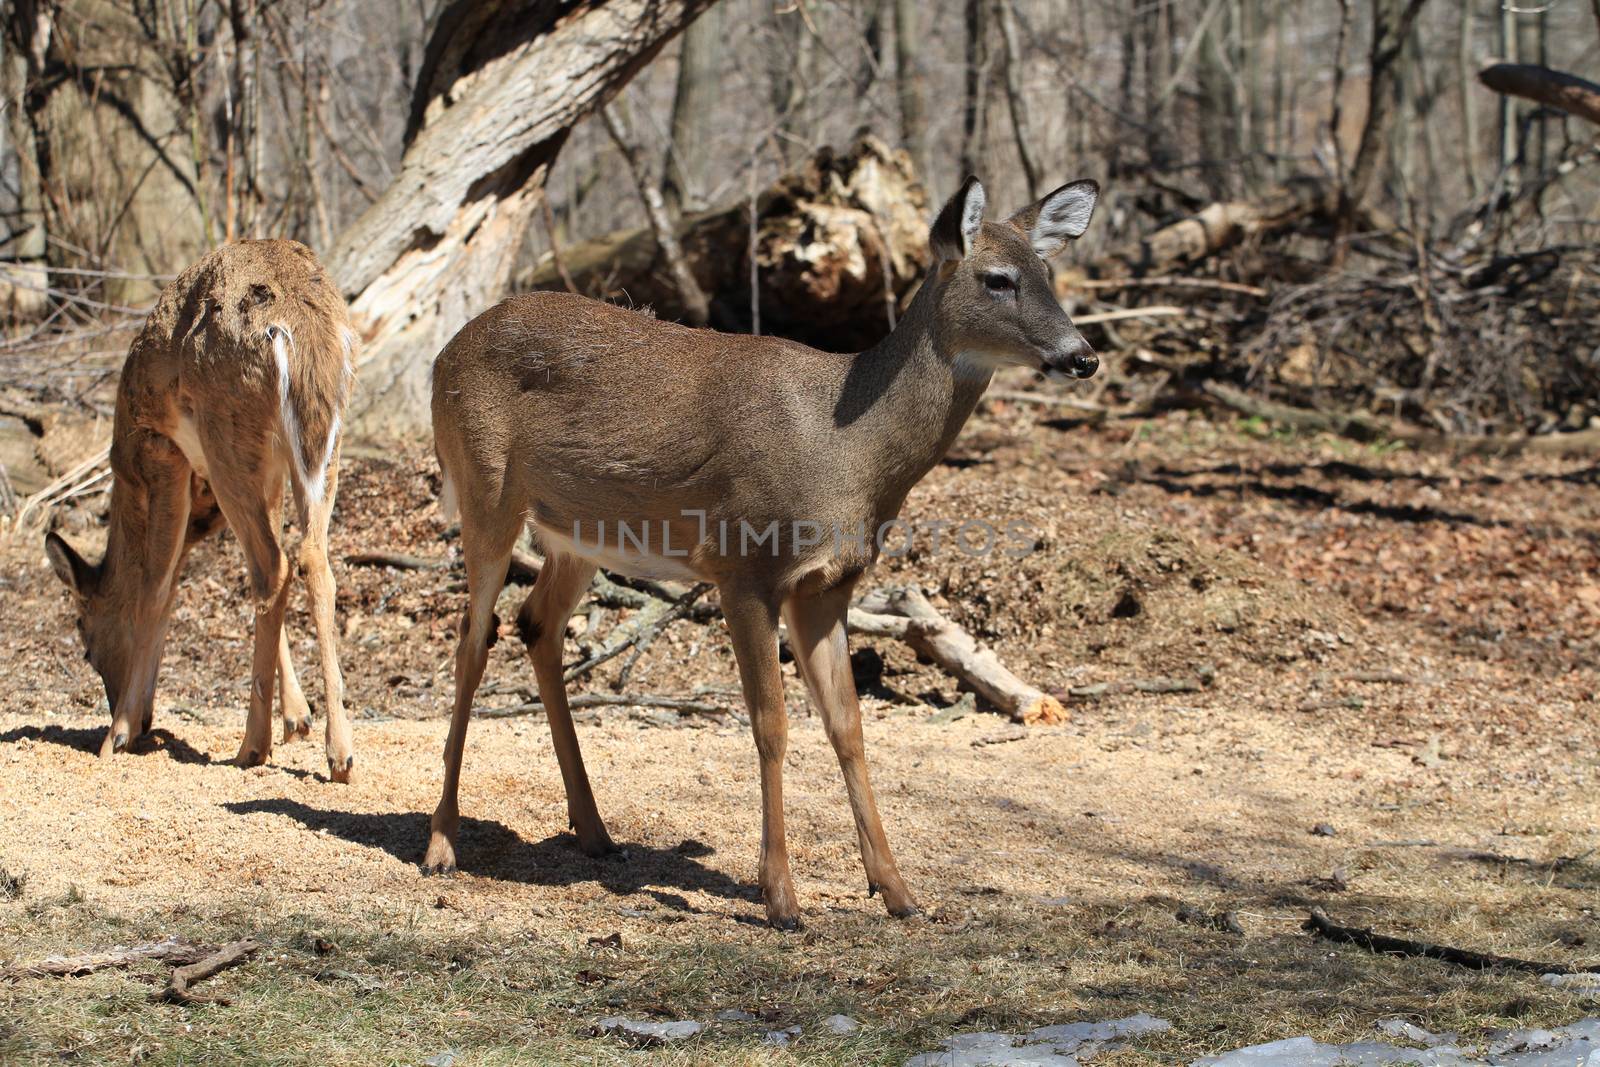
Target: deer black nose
pixel 1076 358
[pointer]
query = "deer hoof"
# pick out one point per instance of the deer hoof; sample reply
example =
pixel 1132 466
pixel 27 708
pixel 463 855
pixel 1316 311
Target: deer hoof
pixel 441 857
pixel 789 924
pixel 116 741
pixel 294 729
pixel 341 773
pixel 905 911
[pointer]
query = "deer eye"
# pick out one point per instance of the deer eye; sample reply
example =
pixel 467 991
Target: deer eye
pixel 998 282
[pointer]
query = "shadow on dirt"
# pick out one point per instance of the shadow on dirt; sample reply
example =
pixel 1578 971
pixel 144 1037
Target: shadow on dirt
pixel 88 739
pixel 491 849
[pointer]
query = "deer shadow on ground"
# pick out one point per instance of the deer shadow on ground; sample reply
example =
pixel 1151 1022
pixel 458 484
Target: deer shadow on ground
pixel 89 738
pixel 490 849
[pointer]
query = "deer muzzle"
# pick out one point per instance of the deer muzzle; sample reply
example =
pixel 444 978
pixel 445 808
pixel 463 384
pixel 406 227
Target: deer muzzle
pixel 1073 358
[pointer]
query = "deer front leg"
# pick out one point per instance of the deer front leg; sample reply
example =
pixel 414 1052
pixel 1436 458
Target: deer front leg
pixel 752 621
pixel 817 636
pixel 163 497
pixel 293 705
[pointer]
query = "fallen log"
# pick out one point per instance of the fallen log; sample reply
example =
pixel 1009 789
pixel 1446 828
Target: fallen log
pixel 1318 923
pixel 1359 426
pixel 906 615
pixel 1224 225
pixel 178 985
pixel 167 950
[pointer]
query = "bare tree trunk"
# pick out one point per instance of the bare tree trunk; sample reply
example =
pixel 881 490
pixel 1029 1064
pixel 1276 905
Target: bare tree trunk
pixel 1391 26
pixel 1508 106
pixel 682 180
pixel 974 117
pixel 1468 103
pixel 1218 115
pixel 789 61
pixel 23 279
pixel 908 85
pixel 500 90
pixel 1020 124
pixel 695 305
pixel 1157 71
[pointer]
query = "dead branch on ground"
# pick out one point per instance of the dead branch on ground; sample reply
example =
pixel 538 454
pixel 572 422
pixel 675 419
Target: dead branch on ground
pixel 167 950
pixel 177 988
pixel 682 705
pixel 1318 923
pixel 906 615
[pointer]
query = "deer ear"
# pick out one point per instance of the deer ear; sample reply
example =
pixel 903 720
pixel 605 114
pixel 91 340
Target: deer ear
pixel 75 572
pixel 958 222
pixel 1058 218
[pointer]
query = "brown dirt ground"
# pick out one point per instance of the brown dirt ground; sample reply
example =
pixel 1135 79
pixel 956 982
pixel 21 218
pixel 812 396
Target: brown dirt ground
pixel 1281 568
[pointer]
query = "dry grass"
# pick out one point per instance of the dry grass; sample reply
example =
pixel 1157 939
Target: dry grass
pixel 388 988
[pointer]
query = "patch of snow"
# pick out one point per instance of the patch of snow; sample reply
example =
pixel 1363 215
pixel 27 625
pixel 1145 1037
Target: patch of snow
pixel 1046 1046
pixel 647 1034
pixel 781 1038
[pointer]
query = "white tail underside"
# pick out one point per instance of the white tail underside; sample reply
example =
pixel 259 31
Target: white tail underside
pixel 311 482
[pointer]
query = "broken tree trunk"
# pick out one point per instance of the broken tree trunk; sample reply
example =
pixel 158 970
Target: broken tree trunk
pixel 838 242
pixel 905 614
pixel 1552 88
pixel 1224 225
pixel 502 85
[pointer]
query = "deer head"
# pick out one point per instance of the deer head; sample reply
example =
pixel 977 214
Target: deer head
pixel 996 305
pixel 105 629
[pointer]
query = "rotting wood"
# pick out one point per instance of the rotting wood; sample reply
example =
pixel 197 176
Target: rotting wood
pixel 1318 923
pixel 828 238
pixel 177 989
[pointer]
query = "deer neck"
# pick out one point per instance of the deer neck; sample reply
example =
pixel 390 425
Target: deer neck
pixel 908 398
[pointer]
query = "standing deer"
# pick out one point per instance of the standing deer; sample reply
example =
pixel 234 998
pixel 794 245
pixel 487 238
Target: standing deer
pixel 577 416
pixel 239 377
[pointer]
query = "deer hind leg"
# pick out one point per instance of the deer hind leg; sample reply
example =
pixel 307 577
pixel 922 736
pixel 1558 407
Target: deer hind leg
pixel 817 635
pixel 486 543
pixel 250 495
pixel 752 621
pixel 320 591
pixel 542 622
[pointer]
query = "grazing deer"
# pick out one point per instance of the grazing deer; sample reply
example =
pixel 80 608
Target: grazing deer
pixel 239 377
pixel 729 452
